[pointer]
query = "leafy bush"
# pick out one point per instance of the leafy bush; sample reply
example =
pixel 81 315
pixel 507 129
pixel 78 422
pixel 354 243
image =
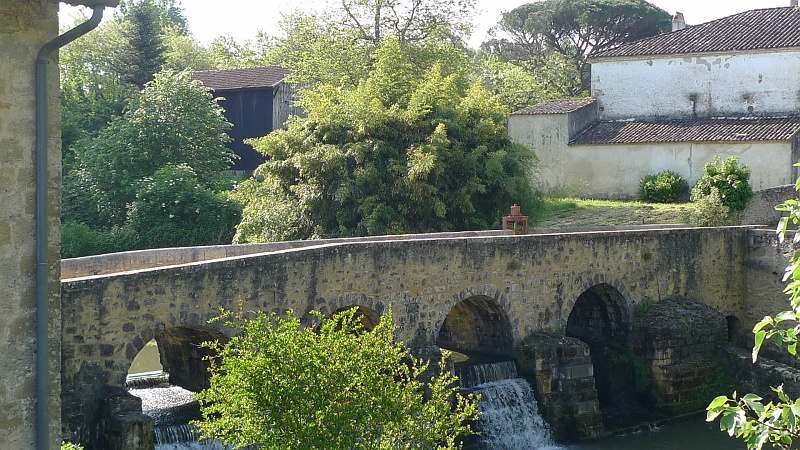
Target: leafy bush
pixel 78 239
pixel 663 187
pixel 710 211
pixel 173 209
pixel 730 179
pixel 279 385
pixel 70 446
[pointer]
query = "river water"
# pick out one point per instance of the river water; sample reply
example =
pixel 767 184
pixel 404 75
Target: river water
pixel 688 435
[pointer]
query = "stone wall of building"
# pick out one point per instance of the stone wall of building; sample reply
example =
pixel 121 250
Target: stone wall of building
pixel 25 26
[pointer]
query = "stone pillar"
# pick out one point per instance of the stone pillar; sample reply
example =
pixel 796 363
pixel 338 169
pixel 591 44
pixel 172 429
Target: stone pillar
pixel 122 424
pixel 561 371
pixel 25 26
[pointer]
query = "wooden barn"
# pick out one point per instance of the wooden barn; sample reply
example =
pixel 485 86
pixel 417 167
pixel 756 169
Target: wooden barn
pixel 257 100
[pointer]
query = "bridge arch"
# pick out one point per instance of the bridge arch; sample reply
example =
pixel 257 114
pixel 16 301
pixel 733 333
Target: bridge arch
pixel 601 312
pixel 368 317
pixel 477 324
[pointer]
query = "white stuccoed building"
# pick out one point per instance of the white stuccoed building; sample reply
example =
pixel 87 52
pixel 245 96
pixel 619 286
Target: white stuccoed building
pixel 730 87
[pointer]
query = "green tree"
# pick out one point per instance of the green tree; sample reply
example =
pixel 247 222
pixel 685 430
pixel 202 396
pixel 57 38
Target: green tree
pixel 405 150
pixel 408 20
pixel 280 385
pixel 339 45
pixel 169 13
pixel 315 49
pixel 756 420
pixel 92 92
pixel 142 55
pixel 572 29
pixel 183 52
pixel 173 120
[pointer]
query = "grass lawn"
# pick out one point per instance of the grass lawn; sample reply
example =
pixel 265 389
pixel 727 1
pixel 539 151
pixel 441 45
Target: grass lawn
pixel 560 212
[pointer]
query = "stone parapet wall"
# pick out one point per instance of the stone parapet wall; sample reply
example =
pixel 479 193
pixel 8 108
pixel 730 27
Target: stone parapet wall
pixel 761 208
pixel 765 269
pixel 758 377
pixel 162 257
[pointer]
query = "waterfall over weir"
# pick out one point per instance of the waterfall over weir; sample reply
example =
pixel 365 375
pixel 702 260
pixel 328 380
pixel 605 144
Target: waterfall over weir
pixel 510 419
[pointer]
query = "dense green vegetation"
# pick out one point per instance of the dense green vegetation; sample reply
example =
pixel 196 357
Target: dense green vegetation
pixel 663 187
pixel 280 385
pixel 406 127
pixel 407 149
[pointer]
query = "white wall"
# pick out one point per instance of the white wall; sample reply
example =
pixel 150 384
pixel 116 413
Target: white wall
pixel 723 85
pixel 547 135
pixel 610 171
pixel 614 171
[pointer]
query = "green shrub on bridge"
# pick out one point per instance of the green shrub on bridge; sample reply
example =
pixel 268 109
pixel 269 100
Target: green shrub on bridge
pixel 281 385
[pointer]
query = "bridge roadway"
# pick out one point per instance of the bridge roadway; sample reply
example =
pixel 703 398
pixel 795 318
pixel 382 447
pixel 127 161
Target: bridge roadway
pixel 473 292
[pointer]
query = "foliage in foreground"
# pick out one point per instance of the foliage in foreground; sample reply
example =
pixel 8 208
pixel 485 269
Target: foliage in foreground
pixel 407 150
pixel 279 385
pixel 70 446
pixel 752 418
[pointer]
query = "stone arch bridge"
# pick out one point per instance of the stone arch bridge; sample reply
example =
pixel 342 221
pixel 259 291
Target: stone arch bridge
pixel 484 293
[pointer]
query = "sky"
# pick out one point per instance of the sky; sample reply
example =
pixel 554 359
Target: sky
pixel 242 19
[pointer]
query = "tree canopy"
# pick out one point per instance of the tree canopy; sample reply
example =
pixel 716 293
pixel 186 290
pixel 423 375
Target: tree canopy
pixel 172 121
pixel 537 35
pixel 408 20
pixel 408 149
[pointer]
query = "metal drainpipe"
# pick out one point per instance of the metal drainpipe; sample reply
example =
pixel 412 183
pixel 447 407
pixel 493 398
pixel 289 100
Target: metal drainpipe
pixel 42 269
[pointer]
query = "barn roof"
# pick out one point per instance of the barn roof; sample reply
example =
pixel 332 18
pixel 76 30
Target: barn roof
pixel 701 130
pixel 758 29
pixel 556 106
pixel 247 78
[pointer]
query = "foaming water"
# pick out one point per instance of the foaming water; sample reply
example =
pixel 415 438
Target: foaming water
pixel 171 405
pixel 510 419
pixel 184 437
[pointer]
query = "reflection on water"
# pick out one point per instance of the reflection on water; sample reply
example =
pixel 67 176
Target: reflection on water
pixel 148 359
pixel 690 435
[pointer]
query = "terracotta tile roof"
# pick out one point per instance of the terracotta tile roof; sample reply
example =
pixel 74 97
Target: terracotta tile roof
pixel 247 78
pixel 556 106
pixel 702 130
pixel 759 29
